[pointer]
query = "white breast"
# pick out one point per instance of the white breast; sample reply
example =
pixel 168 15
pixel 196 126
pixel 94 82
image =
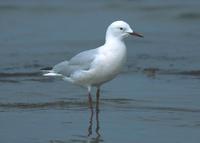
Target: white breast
pixel 109 63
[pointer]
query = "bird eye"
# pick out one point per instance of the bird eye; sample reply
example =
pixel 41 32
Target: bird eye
pixel 121 28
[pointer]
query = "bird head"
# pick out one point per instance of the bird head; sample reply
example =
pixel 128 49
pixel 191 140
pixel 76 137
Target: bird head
pixel 120 30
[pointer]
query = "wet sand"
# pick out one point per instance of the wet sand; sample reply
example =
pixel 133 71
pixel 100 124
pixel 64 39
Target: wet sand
pixel 160 109
pixel 155 99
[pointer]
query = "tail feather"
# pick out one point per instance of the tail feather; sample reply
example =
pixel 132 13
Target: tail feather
pixel 49 72
pixel 52 74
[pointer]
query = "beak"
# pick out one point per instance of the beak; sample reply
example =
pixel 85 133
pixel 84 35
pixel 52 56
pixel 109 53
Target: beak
pixel 136 34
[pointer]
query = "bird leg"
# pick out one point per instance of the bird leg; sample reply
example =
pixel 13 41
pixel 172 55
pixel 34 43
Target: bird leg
pixel 97 112
pixel 91 109
pixel 90 101
pixel 90 98
pixel 97 99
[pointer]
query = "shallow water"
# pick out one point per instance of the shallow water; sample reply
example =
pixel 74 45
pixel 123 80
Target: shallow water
pixel 155 99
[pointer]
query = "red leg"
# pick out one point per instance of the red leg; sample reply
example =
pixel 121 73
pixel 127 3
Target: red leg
pixel 97 112
pixel 97 99
pixel 91 116
pixel 90 101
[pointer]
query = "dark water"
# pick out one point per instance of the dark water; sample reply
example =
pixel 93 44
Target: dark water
pixel 155 99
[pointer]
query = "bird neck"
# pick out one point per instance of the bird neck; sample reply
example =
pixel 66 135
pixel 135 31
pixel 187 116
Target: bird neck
pixel 110 39
pixel 114 45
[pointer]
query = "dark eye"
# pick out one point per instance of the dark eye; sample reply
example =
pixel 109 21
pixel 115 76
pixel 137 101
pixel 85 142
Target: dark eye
pixel 121 28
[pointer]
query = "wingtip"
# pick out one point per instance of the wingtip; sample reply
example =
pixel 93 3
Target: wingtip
pixel 46 68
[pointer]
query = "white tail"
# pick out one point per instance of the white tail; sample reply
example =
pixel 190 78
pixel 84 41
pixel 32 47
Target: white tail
pixel 52 74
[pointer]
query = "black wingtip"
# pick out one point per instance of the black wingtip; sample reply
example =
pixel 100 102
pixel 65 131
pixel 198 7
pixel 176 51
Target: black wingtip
pixel 46 68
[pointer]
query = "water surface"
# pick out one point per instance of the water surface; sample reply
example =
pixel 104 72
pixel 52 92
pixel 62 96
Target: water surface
pixel 155 99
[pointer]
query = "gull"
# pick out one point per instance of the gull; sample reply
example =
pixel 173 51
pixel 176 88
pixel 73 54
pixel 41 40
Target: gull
pixel 92 68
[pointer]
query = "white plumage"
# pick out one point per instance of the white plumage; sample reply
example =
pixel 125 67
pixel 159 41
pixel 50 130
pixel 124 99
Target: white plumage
pixel 97 66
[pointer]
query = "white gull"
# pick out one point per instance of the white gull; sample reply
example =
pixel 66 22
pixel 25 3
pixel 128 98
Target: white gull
pixel 94 67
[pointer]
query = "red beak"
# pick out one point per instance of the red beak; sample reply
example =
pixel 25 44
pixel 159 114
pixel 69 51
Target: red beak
pixel 136 34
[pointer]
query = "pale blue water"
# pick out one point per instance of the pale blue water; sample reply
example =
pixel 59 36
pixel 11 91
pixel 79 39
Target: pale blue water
pixel 138 106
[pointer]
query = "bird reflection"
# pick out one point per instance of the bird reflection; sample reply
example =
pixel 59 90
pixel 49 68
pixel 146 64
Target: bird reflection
pixel 97 138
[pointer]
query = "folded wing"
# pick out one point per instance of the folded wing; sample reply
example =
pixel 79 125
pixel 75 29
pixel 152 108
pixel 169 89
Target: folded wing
pixel 82 61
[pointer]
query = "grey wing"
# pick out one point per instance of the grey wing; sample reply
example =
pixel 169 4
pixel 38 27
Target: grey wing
pixel 81 61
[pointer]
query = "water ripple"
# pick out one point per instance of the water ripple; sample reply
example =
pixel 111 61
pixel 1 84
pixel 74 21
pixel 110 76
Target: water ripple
pixel 19 74
pixel 127 104
pixel 45 105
